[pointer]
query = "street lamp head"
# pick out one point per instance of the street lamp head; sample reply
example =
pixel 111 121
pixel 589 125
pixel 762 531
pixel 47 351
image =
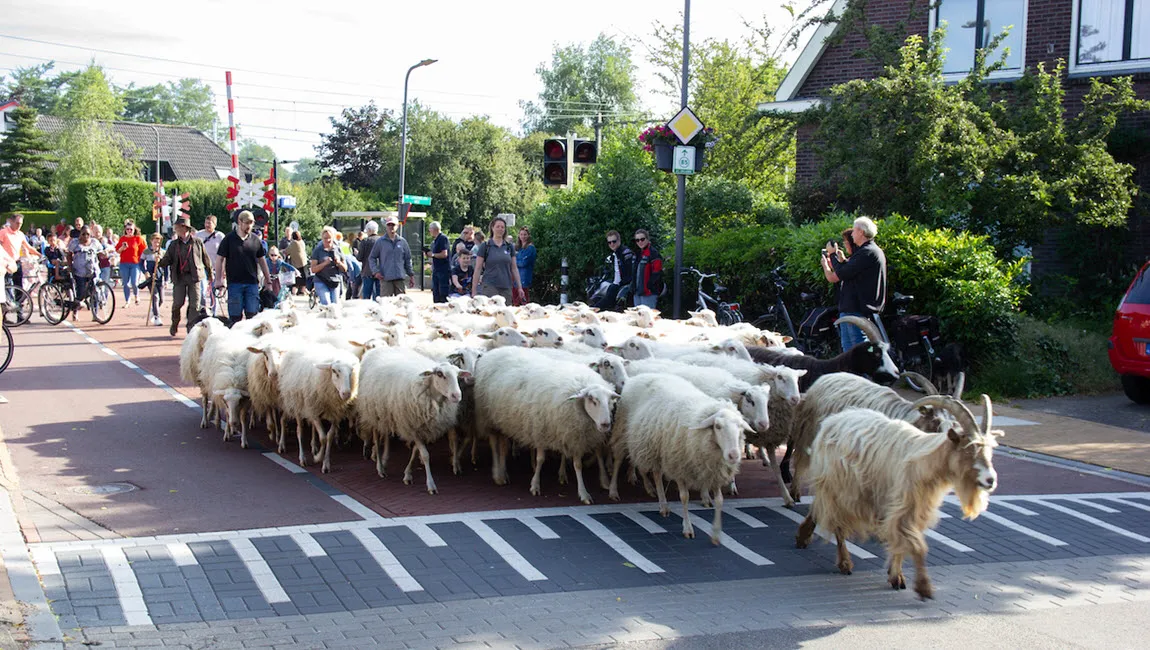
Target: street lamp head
pixel 427 62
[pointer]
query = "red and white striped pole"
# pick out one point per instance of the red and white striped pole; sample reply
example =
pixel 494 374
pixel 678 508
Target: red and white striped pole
pixel 232 126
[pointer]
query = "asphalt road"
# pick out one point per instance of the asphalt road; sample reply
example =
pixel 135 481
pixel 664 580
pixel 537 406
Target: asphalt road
pixel 1113 409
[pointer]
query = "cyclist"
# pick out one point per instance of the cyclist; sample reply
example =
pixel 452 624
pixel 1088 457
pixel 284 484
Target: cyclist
pixel 618 273
pixel 16 245
pixel 84 258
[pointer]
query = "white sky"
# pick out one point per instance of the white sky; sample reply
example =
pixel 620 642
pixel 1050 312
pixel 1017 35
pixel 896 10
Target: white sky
pixel 347 52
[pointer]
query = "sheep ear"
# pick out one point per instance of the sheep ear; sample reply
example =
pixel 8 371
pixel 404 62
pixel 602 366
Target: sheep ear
pixel 997 433
pixel 800 373
pixel 333 325
pixel 255 350
pixel 357 344
pixel 746 427
pixel 706 423
pixel 580 395
pixel 486 336
pixel 455 356
pixel 926 410
pixel 323 366
pixel 427 373
pixel 594 365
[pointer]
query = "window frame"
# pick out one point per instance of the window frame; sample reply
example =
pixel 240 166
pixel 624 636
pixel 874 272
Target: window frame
pixel 998 75
pixel 1077 69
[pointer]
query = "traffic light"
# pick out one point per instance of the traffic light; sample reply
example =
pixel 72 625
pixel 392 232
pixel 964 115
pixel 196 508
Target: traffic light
pixel 555 169
pixel 586 152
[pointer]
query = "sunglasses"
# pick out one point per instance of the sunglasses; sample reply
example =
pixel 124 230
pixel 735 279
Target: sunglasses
pixel 612 241
pixel 640 239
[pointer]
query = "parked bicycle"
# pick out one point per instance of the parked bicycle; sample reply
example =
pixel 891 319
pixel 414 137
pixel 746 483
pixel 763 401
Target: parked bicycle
pixel 816 334
pixel 60 300
pixel 916 345
pixel 726 313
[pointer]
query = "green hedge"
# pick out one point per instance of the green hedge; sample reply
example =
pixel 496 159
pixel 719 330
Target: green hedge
pixel 109 201
pixel 34 219
pixel 952 275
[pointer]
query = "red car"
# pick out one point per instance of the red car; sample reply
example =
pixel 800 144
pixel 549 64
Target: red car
pixel 1128 344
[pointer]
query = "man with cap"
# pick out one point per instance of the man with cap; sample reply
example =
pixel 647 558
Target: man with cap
pixel 240 259
pixel 390 261
pixel 189 264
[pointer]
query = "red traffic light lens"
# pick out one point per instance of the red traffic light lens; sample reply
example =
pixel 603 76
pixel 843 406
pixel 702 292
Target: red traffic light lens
pixel 554 174
pixel 585 152
pixel 554 150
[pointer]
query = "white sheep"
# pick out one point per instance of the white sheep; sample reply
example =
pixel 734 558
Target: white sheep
pixel 318 383
pixel 224 375
pixel 671 429
pixel 876 476
pixel 191 352
pixel 406 394
pixel 545 405
pixel 263 381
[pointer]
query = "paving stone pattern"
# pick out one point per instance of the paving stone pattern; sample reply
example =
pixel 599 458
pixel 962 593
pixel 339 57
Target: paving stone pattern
pixel 446 558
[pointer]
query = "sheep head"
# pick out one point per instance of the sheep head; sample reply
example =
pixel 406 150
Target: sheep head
pixel 726 427
pixel 593 336
pixel 444 380
pixel 874 358
pixel 546 337
pixel 635 348
pixel 506 337
pixel 753 406
pixel 970 463
pixel 612 369
pixel 734 348
pixel 784 382
pixel 344 376
pixel 598 403
pixel 505 317
pixel 273 355
pixel 465 359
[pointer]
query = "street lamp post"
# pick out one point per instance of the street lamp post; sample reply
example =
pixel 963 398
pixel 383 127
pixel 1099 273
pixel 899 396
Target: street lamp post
pixel 403 131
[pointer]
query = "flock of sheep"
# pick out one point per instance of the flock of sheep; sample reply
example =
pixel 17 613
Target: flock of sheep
pixel 683 401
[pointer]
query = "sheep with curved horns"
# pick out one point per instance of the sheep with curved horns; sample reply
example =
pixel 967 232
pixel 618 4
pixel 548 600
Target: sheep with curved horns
pixel 404 393
pixel 544 404
pixel 839 391
pixel 871 357
pixel 669 428
pixel 875 476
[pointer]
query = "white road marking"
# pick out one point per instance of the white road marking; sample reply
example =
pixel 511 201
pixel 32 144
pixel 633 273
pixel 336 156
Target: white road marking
pixel 943 539
pixel 618 545
pixel 154 379
pixel 127 587
pixel 386 560
pixel 1091 504
pixel 265 579
pixel 509 554
pixel 1005 504
pixel 539 528
pixel 1097 522
pixel 747 519
pixel 356 507
pixel 129 364
pixel 426 535
pixel 729 542
pixel 284 463
pixel 1128 503
pixel 855 550
pixel 308 545
pixel 109 351
pixel 181 554
pixel 1003 521
pixel 46 563
pixel 644 522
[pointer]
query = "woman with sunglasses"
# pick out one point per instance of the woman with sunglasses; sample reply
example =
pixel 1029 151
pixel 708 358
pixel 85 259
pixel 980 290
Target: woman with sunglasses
pixel 130 246
pixel 648 283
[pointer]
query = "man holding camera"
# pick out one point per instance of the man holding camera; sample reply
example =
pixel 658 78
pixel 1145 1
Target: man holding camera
pixel 863 278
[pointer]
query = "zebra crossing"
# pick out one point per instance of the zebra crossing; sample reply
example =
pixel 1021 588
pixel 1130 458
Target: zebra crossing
pixel 379 562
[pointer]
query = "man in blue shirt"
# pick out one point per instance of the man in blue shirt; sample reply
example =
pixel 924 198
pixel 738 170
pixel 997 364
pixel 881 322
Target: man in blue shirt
pixel 439 253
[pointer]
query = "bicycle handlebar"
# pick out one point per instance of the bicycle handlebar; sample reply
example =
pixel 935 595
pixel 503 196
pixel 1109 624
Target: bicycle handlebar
pixel 702 276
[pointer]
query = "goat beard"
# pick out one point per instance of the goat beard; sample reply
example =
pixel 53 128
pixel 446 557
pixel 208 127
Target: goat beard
pixel 973 499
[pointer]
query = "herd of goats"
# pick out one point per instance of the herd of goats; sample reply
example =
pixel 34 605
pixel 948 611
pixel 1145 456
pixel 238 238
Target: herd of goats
pixel 683 401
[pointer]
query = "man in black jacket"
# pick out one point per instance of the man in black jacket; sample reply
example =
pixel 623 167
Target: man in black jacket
pixel 618 272
pixel 863 279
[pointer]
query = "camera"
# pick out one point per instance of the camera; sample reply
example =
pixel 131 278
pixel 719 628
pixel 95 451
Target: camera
pixel 426 249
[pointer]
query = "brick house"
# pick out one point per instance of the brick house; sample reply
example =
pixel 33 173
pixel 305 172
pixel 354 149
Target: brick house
pixel 1096 38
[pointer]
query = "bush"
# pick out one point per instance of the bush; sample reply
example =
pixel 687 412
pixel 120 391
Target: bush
pixel 1049 359
pixel 34 219
pixel 109 202
pixel 206 197
pixel 954 276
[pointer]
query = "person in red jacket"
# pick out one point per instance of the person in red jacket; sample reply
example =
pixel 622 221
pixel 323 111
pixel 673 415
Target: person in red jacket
pixel 130 246
pixel 648 282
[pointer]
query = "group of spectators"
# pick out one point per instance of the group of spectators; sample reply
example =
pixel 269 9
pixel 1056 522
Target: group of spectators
pixel 629 275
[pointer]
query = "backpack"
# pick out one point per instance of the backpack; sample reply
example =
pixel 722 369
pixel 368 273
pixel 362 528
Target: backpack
pixel 907 331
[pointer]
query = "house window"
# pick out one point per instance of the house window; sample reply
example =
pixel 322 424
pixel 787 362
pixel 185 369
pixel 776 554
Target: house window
pixel 973 24
pixel 1112 32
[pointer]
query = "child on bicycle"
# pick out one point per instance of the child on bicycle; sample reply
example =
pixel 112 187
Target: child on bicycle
pixel 148 263
pixel 283 275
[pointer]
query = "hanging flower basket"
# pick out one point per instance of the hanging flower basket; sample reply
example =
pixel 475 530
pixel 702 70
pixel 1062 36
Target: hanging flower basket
pixel 661 141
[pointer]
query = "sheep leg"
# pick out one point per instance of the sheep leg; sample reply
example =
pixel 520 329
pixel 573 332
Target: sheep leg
pixel 846 567
pixel 647 484
pixel 504 448
pixel 633 477
pixel 407 472
pixel 584 495
pixel 329 442
pixel 894 575
pixel 426 458
pixel 733 489
pixel 796 490
pixel 382 456
pixel 717 524
pixel 453 442
pixel 613 489
pixel 664 509
pixel 474 450
pixel 763 456
pixel 281 444
pixel 604 482
pixel 705 498
pixel 806 532
pixel 785 465
pixel 563 470
pixel 540 455
pixel 299 437
pixel 244 428
pixel 205 411
pixel 788 501
pixel 685 498
pixel 496 476
pixel 922 585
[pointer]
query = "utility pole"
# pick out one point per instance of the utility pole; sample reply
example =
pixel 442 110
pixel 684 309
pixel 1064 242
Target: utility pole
pixel 599 131
pixel 681 190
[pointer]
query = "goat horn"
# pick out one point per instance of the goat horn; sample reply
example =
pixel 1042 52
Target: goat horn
pixel 868 327
pixel 959 385
pixel 923 384
pixel 956 408
pixel 987 414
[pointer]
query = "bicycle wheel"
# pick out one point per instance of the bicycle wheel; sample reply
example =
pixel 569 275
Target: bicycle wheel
pixel 55 303
pixel 18 309
pixel 8 349
pixel 102 302
pixel 728 316
pixel 312 299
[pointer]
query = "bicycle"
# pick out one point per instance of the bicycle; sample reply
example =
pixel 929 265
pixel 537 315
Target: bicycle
pixel 917 346
pixel 726 313
pixel 60 300
pixel 9 348
pixel 816 334
pixel 18 305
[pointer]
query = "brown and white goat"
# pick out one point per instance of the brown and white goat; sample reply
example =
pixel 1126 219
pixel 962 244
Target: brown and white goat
pixel 875 476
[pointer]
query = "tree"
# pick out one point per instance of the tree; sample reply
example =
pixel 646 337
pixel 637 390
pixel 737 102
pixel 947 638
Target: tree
pixel 316 201
pixel 187 102
pixel 25 180
pixel 306 170
pixel 581 83
pixel 89 96
pixel 352 151
pixel 34 88
pixel 258 157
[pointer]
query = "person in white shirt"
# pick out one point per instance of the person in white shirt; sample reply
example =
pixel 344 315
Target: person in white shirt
pixel 211 238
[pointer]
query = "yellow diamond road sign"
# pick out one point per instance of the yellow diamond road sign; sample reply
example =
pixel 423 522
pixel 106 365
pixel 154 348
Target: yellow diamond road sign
pixel 685 125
